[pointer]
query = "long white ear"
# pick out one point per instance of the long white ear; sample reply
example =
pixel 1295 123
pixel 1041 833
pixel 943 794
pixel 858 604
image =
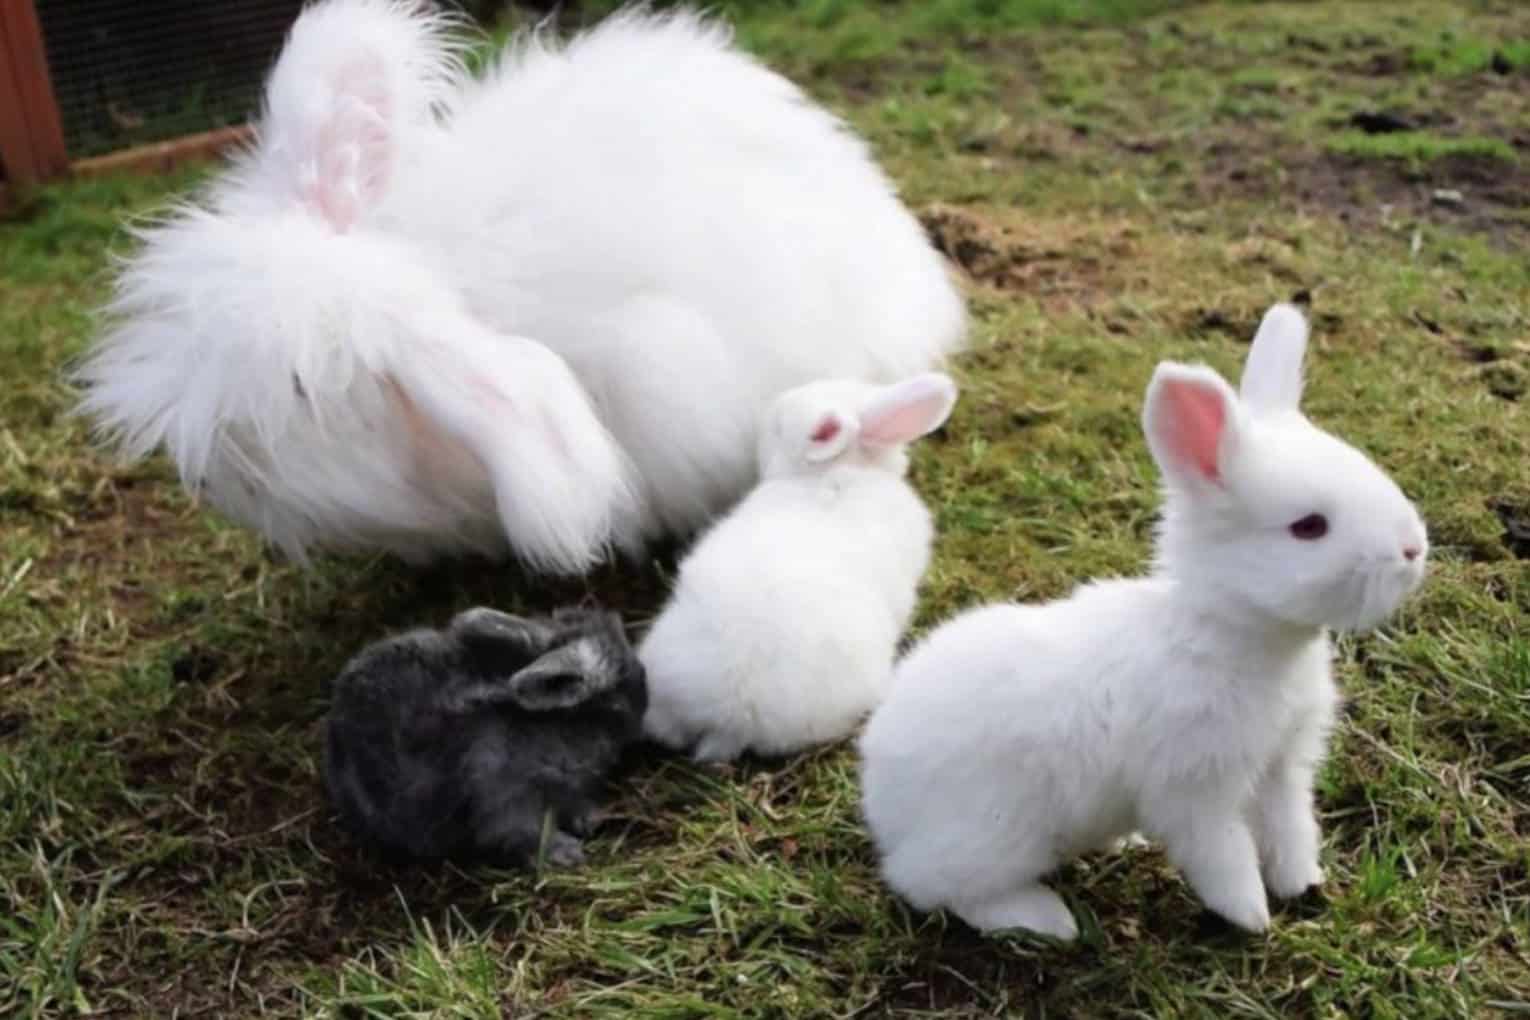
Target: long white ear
pixel 1190 419
pixel 1272 375
pixel 560 481
pixel 354 79
pixel 906 410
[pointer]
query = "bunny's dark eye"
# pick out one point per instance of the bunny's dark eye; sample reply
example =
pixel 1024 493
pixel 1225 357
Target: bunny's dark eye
pixel 1310 528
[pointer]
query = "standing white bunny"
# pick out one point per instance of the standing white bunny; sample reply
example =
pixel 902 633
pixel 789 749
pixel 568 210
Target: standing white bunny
pixel 786 616
pixel 541 309
pixel 1193 704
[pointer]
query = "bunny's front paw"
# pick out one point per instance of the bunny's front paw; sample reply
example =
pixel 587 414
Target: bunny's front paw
pixel 1219 861
pixel 1289 877
pixel 563 851
pixel 717 747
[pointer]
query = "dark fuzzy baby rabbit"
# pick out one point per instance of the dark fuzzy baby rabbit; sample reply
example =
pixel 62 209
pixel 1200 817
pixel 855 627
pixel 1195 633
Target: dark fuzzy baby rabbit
pixel 488 740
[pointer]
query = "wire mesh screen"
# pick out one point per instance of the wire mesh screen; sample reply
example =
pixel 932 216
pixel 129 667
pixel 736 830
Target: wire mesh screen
pixel 127 72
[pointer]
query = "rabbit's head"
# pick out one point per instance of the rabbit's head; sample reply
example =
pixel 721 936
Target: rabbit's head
pixel 1267 513
pixel 577 661
pixel 842 421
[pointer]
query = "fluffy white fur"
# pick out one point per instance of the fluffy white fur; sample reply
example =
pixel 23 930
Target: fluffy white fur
pixel 1193 704
pixel 785 617
pixel 541 309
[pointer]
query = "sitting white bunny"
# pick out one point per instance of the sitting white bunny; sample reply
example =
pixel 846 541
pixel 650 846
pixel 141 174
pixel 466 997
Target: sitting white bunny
pixel 1193 704
pixel 542 309
pixel 786 616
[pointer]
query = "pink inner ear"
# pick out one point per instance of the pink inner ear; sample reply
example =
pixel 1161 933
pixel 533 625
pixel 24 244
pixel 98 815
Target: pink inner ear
pixel 909 410
pixel 826 430
pixel 1194 417
pixel 355 150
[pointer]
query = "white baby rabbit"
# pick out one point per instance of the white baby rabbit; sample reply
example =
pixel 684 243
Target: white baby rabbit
pixel 1193 704
pixel 542 308
pixel 785 617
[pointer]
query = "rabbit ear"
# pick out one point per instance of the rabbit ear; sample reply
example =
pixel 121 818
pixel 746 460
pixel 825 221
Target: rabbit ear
pixel 562 679
pixel 1272 375
pixel 906 410
pixel 489 627
pixel 354 147
pixel 831 434
pixel 353 77
pixel 1191 422
pixel 559 479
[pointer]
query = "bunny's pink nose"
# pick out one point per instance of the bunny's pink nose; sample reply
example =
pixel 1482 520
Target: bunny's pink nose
pixel 1410 552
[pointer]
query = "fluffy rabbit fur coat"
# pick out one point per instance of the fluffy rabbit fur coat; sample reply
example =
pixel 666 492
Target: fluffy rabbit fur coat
pixel 538 310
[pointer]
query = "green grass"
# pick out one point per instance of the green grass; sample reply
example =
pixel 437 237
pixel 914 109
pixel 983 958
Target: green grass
pixel 1454 56
pixel 824 36
pixel 1419 146
pixel 1123 183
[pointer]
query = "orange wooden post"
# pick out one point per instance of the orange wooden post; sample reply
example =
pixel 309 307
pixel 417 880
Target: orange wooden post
pixel 31 134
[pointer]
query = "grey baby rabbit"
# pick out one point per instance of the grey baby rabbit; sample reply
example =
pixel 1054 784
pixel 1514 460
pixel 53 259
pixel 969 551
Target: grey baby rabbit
pixel 485 741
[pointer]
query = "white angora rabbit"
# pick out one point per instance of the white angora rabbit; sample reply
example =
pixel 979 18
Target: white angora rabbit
pixel 786 616
pixel 1193 704
pixel 539 310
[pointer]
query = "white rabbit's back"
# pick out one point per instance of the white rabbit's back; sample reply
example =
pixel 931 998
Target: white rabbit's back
pixel 650 156
pixel 784 622
pixel 685 228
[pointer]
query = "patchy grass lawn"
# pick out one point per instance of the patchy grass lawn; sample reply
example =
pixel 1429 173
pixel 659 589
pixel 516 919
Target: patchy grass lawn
pixel 1120 182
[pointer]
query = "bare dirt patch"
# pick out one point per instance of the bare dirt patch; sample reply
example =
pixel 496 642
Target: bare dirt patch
pixel 109 528
pixel 1062 262
pixel 1479 192
pixel 1472 193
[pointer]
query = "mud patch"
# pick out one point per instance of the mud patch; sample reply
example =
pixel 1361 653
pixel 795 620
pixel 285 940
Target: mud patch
pixel 94 533
pixel 1062 261
pixel 1482 191
pixel 1473 193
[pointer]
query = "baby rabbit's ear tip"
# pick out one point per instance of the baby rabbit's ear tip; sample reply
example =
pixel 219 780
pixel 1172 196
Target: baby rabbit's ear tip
pixel 933 383
pixel 907 410
pixel 942 388
pixel 1283 321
